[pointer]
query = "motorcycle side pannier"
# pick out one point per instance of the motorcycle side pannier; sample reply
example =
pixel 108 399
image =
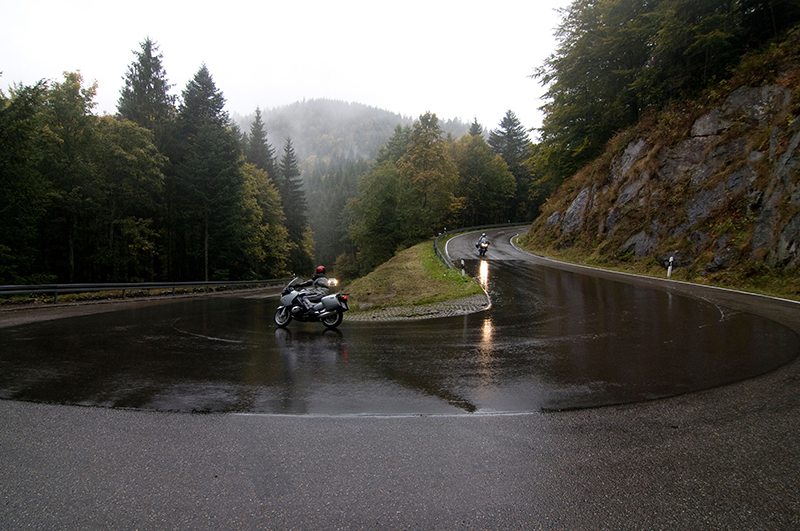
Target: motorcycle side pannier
pixel 330 302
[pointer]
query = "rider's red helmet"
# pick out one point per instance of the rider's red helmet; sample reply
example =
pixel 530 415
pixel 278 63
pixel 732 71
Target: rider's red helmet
pixel 321 270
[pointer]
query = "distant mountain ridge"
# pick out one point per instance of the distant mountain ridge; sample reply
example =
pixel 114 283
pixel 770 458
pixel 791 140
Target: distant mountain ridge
pixel 325 128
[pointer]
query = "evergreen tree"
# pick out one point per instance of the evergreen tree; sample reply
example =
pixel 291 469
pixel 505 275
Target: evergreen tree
pixel 209 186
pixel 331 186
pixel 396 147
pixel 290 186
pixel 145 98
pixel 511 142
pixel 475 129
pixel 291 189
pixel 768 19
pixel 259 152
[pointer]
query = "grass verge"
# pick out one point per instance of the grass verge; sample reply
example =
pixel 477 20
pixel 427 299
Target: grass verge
pixel 415 276
pixel 750 278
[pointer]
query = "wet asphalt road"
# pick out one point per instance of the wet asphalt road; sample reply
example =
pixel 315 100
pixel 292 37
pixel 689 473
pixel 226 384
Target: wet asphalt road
pixel 723 458
pixel 551 340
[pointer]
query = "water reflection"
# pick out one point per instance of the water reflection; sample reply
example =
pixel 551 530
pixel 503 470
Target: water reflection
pixel 486 333
pixel 486 351
pixel 483 275
pixel 550 340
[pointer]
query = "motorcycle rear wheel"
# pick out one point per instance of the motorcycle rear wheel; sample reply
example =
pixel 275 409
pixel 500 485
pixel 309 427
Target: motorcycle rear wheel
pixel 283 316
pixel 332 321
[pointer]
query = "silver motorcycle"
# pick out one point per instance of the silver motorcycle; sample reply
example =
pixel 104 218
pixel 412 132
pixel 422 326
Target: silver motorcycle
pixel 329 310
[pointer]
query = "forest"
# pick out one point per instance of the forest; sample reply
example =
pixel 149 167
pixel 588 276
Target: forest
pixel 171 188
pixel 619 61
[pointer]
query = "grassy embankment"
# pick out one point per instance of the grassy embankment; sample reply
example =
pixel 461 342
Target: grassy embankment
pixel 414 277
pixel 753 278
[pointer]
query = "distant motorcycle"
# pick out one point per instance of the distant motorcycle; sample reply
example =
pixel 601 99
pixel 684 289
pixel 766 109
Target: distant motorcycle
pixel 328 310
pixel 482 248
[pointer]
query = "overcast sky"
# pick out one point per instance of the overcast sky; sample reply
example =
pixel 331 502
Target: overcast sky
pixel 459 59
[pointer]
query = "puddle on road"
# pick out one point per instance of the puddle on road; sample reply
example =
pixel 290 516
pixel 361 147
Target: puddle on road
pixel 551 340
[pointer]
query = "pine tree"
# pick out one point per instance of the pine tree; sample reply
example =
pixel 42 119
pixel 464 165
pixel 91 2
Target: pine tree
pixel 295 208
pixel 210 184
pixel 396 147
pixel 258 151
pixel 475 129
pixel 331 185
pixel 511 142
pixel 145 98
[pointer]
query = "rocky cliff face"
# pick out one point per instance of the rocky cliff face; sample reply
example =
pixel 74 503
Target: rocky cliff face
pixel 724 193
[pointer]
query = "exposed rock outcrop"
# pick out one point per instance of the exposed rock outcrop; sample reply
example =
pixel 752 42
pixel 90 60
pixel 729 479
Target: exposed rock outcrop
pixel 727 191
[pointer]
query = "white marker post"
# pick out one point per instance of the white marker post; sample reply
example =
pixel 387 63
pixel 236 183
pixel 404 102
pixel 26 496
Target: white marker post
pixel 669 269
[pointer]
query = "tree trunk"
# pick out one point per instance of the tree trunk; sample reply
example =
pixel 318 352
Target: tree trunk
pixel 205 216
pixel 72 228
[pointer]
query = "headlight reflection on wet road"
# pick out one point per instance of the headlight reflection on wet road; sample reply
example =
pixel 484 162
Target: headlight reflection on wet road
pixel 550 340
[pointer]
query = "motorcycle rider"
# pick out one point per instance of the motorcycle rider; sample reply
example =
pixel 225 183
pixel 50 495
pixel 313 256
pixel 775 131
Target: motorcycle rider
pixel 481 240
pixel 319 288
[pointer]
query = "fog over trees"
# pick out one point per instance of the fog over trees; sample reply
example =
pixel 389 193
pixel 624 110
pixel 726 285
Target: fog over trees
pixel 173 188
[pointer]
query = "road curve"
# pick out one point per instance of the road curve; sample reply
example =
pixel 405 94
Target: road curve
pixel 724 458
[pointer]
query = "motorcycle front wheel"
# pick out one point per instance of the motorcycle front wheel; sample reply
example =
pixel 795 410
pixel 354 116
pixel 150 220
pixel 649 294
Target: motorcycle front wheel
pixel 283 316
pixel 332 321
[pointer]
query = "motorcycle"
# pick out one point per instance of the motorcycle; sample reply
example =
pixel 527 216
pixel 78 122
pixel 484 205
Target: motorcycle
pixel 482 248
pixel 329 309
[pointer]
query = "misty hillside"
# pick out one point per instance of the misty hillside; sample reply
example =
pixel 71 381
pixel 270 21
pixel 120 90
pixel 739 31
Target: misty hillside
pixel 326 128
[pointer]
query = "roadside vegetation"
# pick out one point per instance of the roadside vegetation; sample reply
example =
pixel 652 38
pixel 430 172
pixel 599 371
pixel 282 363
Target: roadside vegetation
pixel 758 278
pixel 413 277
pixel 745 269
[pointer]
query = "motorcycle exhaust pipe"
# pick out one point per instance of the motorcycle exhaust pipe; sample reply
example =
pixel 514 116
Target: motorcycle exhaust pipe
pixel 326 314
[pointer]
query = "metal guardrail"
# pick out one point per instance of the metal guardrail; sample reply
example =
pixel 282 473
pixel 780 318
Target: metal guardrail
pixel 446 233
pixel 56 289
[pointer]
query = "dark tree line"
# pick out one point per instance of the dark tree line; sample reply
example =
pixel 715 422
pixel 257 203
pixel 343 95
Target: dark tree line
pixel 170 189
pixel 162 191
pixel 79 194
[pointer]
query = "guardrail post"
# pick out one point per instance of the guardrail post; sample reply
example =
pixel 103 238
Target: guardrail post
pixel 55 297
